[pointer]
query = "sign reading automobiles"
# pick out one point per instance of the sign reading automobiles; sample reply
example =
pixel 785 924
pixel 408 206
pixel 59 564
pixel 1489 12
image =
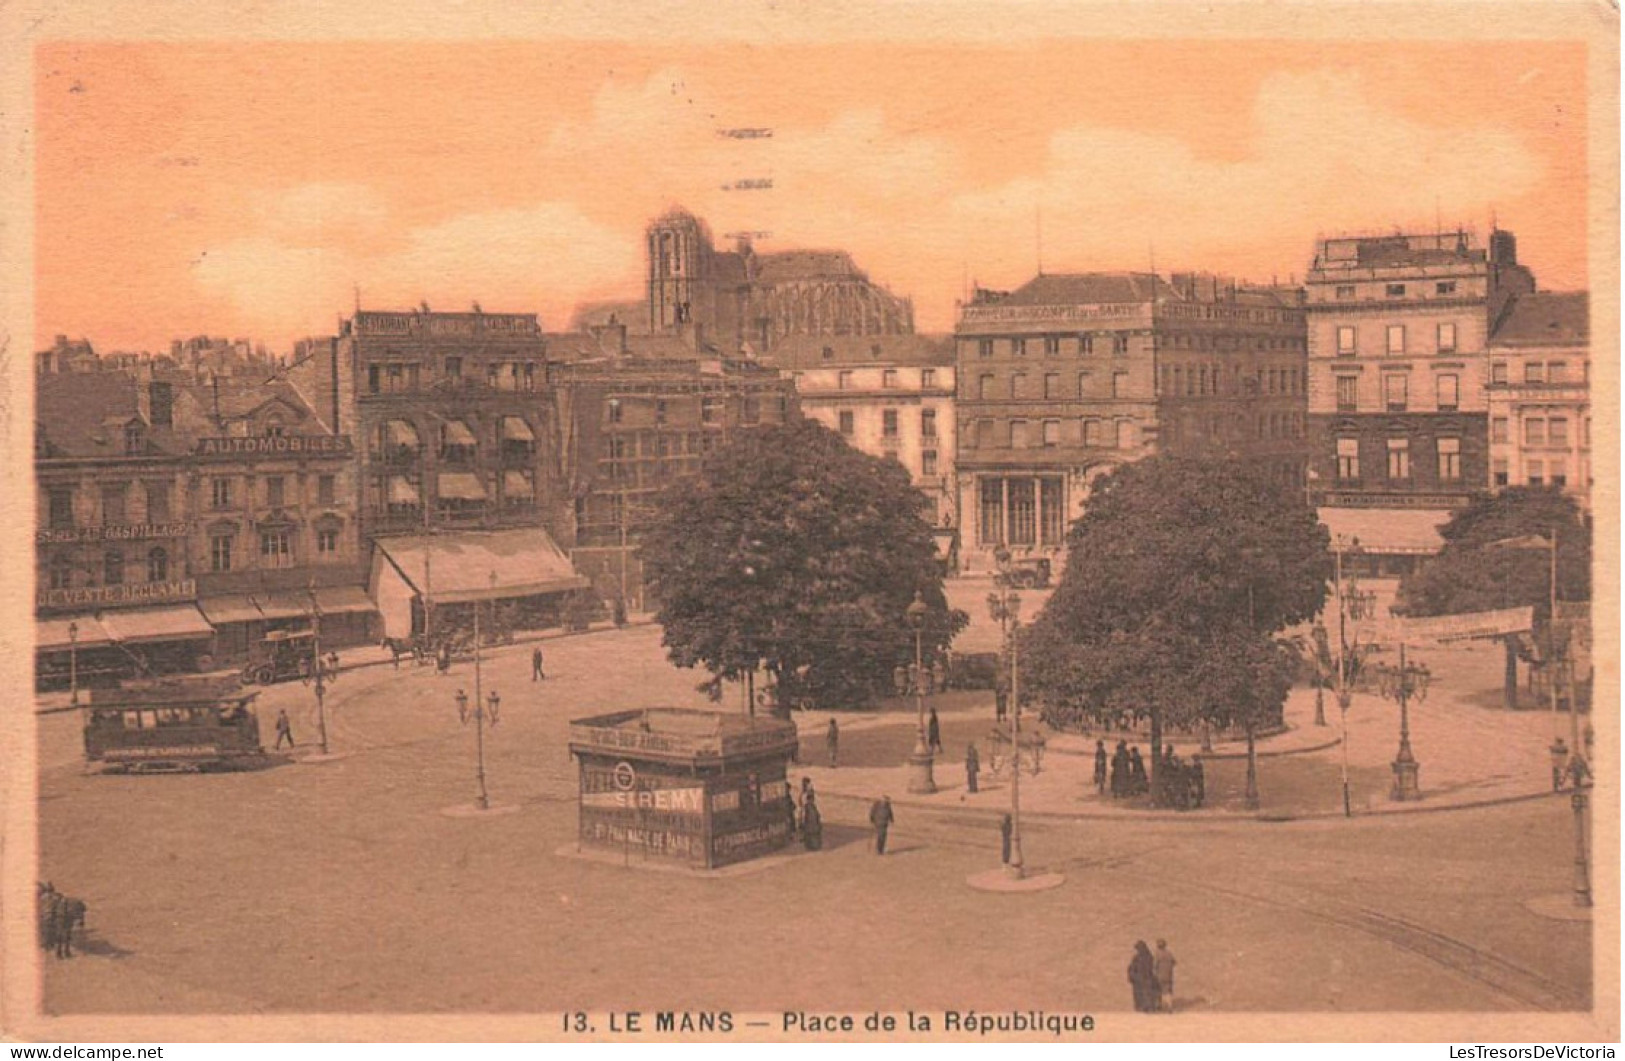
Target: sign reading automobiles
pixel 278 446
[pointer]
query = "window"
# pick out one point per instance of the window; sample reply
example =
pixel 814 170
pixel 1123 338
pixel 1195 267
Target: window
pixel 928 423
pixel 1018 382
pixel 530 375
pixel 1535 473
pixel 711 411
pixel 928 378
pixel 276 548
pixel 1119 384
pixel 984 348
pixel 372 378
pixel 1018 347
pixel 1498 470
pixel 1396 338
pixel 1052 433
pixel 888 423
pixel 828 353
pixel 1091 432
pixel 326 488
pixel 1447 338
pixel 888 379
pixel 1348 393
pixel 614 411
pixel 1498 372
pixel 133 442
pixel 1449 459
pixel 273 429
pixel 1052 384
pixel 928 462
pixel 61 572
pixel 844 380
pixel 1445 287
pixel 1018 434
pixel 220 552
pixel 61 506
pixel 1023 511
pixel 157 564
pixel 848 427
pixel 1395 388
pixel 1348 458
pixel 1448 392
pixel 327 541
pixel 1396 290
pixel 1557 371
pixel 1534 431
pixel 1052 345
pixel 1345 339
pixel 394 378
pixel 1399 458
pixel 1345 291
pixel 660 412
pixel 984 387
pixel 1558 473
pixel 1557 431
pixel 984 433
pixel 1120 430
pixel 274 491
pixel 1086 344
pixel 1498 429
pixel 157 502
pixel 1120 345
pixel 454 368
pixel 113 567
pixel 1083 383
pixel 1585 432
pixel 1534 372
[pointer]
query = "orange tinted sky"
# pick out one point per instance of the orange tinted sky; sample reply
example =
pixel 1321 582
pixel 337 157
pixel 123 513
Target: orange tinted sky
pixel 247 189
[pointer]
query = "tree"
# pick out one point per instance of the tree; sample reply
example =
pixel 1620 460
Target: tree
pixel 791 550
pixel 1473 574
pixel 1178 577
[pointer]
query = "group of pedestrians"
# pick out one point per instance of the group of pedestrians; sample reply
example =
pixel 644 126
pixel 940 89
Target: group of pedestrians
pixel 806 823
pixel 1127 771
pixel 1152 978
pixel 1183 785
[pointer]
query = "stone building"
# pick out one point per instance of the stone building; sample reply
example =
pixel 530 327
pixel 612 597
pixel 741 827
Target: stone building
pixel 1539 394
pixel 1071 375
pixel 1399 333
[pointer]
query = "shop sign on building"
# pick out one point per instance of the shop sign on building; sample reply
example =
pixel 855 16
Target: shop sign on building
pixel 112 533
pixel 109 596
pixel 281 446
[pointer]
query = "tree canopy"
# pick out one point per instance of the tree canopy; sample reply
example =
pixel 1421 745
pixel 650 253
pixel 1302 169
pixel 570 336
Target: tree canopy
pixel 792 551
pixel 1179 574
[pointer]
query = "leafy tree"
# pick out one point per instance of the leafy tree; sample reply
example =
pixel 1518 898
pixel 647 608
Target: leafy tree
pixel 792 551
pixel 1472 573
pixel 1179 575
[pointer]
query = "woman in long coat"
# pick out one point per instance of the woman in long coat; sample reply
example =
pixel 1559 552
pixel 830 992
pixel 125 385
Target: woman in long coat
pixel 812 823
pixel 1142 976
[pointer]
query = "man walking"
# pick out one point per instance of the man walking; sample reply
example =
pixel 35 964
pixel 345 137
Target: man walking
pixel 1164 964
pixel 973 766
pixel 832 741
pixel 881 817
pixel 1006 827
pixel 933 733
pixel 1001 703
pixel 1100 767
pixel 536 674
pixel 284 729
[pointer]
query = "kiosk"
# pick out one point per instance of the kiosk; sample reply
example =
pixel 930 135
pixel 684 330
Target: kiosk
pixel 701 788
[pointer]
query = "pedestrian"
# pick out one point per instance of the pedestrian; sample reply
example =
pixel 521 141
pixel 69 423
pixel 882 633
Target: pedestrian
pixel 1164 966
pixel 284 729
pixel 1120 771
pixel 812 823
pixel 1007 827
pixel 1560 756
pixel 536 674
pixel 832 742
pixel 1001 703
pixel 973 766
pixel 1579 772
pixel 1142 977
pixel 791 810
pixel 1100 767
pixel 933 732
pixel 619 613
pixel 899 679
pixel 445 657
pixel 1136 771
pixel 881 817
pixel 1198 782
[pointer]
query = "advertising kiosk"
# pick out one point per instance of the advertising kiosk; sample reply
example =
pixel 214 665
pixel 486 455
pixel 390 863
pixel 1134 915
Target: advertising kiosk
pixel 702 788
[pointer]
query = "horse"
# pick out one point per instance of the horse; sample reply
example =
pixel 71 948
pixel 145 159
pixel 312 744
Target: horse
pixel 47 899
pixel 70 912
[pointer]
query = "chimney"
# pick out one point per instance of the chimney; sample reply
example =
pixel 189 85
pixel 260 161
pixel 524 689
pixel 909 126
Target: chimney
pixel 161 404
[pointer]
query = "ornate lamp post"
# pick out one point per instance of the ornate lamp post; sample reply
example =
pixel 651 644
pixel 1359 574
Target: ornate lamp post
pixel 73 664
pixel 318 670
pixel 484 708
pixel 1404 683
pixel 1005 608
pixel 1581 800
pixel 1346 662
pixel 920 779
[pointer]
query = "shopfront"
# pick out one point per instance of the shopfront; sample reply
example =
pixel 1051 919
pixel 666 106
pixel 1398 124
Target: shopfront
pixel 701 788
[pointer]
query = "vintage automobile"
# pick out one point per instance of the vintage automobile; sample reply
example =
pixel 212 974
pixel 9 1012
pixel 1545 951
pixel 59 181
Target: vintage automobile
pixel 281 655
pixel 1029 572
pixel 172 726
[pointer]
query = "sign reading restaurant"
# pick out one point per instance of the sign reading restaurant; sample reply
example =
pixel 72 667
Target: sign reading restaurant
pixel 127 593
pixel 278 446
pixel 120 532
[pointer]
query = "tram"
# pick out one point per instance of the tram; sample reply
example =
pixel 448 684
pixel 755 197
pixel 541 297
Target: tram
pixel 173 726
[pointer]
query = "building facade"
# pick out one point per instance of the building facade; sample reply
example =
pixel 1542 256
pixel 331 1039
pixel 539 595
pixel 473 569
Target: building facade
pixel 889 396
pixel 1399 333
pixel 1072 375
pixel 1539 394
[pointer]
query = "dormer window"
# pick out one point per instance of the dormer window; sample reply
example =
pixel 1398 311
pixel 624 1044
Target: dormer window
pixel 135 442
pixel 273 429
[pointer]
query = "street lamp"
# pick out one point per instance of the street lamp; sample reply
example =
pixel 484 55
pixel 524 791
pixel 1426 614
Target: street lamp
pixel 1346 664
pixel 1404 683
pixel 73 664
pixel 316 667
pixel 484 708
pixel 1581 801
pixel 1005 608
pixel 920 780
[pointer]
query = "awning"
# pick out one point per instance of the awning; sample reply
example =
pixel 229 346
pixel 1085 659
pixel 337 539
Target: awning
pixel 1390 532
pixel 458 434
pixel 402 433
pixel 51 635
pixel 234 609
pixel 343 600
pixel 515 429
pixel 476 565
pixel 514 484
pixel 290 604
pixel 460 486
pixel 401 491
pixel 181 622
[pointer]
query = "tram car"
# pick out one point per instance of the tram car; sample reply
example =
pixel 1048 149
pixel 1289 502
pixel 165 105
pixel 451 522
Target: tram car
pixel 172 726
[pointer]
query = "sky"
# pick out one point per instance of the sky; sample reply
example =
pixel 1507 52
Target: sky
pixel 257 189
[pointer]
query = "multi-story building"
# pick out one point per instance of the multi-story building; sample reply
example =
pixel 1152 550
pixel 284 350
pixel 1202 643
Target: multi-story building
pixel 1399 331
pixel 1539 394
pixel 1071 375
pixel 459 482
pixel 639 413
pixel 891 396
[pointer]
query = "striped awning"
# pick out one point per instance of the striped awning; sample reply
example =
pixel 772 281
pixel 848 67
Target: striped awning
pixel 181 622
pixel 402 492
pixel 230 609
pixel 458 434
pixel 515 429
pixel 514 484
pixel 402 433
pixel 460 486
pixel 51 635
